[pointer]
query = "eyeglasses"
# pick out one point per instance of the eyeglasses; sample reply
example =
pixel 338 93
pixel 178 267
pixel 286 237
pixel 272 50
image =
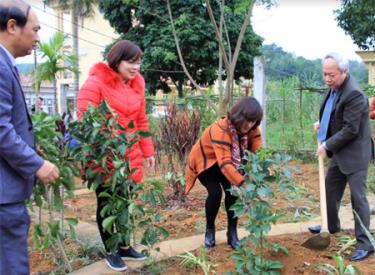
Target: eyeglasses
pixel 135 63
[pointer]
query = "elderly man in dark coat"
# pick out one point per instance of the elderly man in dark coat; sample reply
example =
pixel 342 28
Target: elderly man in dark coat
pixel 345 136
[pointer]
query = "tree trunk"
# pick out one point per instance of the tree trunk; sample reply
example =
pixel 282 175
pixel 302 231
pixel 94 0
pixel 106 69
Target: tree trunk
pixel 76 53
pixel 193 82
pixel 224 104
pixel 55 96
pixel 180 88
pixel 220 75
pixel 37 91
pixel 230 63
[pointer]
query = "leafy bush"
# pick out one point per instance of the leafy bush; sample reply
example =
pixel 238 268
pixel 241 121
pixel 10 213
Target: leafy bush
pixel 178 132
pixel 260 172
pixel 101 148
pixel 369 90
pixel 290 115
pixel 51 147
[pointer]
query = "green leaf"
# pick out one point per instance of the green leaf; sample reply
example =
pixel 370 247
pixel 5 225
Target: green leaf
pixel 131 208
pixel 131 124
pixel 54 228
pixel 72 232
pixel 275 265
pixel 164 232
pixel 72 221
pixel 108 223
pixel 45 242
pixel 104 194
pixel 144 134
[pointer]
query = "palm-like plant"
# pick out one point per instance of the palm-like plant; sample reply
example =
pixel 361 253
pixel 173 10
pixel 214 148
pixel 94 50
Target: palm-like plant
pixel 55 62
pixel 340 269
pixel 201 261
pixel 80 9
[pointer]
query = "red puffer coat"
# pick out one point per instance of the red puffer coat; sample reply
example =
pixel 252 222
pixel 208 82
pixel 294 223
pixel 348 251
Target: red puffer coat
pixel 127 100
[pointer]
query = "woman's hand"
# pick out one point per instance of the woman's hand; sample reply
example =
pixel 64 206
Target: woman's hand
pixel 150 162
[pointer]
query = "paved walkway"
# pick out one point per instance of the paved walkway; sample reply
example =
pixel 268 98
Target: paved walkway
pixel 170 248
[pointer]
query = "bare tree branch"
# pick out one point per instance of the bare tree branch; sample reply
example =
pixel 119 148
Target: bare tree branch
pixel 217 34
pixel 182 59
pixel 224 24
pixel 245 24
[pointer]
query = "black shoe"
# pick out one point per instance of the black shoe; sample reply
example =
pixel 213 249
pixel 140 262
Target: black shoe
pixel 131 254
pixel 360 255
pixel 317 228
pixel 209 238
pixel 232 236
pixel 115 262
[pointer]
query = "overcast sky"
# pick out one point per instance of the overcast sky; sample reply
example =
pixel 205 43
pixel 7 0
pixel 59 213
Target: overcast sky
pixel 305 27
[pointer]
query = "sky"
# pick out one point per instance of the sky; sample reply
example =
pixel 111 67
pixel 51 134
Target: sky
pixel 304 27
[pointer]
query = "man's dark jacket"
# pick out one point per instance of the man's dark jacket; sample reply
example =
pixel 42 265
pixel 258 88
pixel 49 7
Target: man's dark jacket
pixel 349 140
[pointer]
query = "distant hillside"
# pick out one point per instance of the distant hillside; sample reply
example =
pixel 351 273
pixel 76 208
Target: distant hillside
pixel 25 68
pixel 281 64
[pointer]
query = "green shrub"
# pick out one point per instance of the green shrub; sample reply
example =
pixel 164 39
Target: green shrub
pixel 261 171
pixel 101 147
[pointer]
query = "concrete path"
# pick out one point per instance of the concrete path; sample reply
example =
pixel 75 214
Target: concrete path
pixel 170 248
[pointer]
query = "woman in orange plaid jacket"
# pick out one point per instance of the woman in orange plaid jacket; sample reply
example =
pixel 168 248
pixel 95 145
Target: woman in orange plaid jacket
pixel 216 159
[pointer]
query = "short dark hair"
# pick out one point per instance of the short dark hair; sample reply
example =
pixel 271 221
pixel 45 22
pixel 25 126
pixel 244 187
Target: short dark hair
pixel 246 109
pixel 122 50
pixel 13 11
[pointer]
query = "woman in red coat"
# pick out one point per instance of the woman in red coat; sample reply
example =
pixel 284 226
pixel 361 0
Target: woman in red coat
pixel 119 82
pixel 372 110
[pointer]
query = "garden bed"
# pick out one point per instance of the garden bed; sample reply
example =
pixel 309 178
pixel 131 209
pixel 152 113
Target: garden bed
pixel 189 219
pixel 42 261
pixel 299 260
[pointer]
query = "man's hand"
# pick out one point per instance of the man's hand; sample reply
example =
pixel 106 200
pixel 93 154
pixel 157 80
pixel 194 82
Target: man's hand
pixel 322 152
pixel 271 171
pixel 316 126
pixel 150 162
pixel 259 198
pixel 48 172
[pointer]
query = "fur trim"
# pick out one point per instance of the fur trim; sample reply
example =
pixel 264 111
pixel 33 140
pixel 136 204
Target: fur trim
pixel 109 77
pixel 138 83
pixel 105 74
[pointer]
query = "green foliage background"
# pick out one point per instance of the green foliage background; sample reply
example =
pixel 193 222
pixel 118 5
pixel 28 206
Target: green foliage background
pixel 356 17
pixel 194 31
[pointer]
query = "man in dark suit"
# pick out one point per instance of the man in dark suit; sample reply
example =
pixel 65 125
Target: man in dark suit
pixel 345 136
pixel 19 163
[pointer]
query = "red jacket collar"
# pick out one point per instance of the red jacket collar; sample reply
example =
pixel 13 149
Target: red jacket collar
pixel 108 76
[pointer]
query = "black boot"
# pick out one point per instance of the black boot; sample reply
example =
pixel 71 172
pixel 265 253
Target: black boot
pixel 209 238
pixel 232 236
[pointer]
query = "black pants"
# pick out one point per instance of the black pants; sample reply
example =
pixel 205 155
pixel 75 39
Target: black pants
pixel 99 219
pixel 101 202
pixel 214 181
pixel 335 186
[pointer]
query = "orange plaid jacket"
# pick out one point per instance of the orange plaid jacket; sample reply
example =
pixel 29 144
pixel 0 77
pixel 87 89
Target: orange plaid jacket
pixel 214 146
